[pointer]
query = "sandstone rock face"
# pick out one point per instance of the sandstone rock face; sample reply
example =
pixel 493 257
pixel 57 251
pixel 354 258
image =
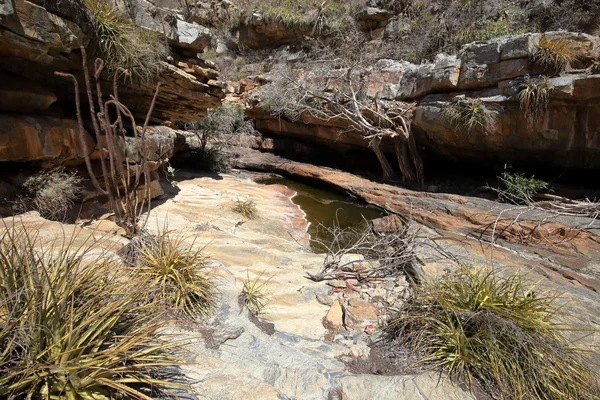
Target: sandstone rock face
pixel 25 138
pixel 565 136
pixel 258 33
pixel 35 43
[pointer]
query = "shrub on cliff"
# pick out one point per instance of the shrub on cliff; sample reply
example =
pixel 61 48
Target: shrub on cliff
pixel 222 127
pixel 472 115
pixel 122 44
pixel 478 325
pixel 70 328
pixel 554 55
pixel 534 97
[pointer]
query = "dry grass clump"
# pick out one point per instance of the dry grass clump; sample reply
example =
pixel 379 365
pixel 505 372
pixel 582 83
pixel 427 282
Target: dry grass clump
pixel 477 325
pixel 326 17
pixel 534 97
pixel 472 115
pixel 247 208
pixel 254 293
pixel 124 45
pixel 554 55
pixel 71 329
pixel 179 275
pixel 51 193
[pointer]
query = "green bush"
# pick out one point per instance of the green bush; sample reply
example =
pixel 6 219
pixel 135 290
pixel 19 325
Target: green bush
pixel 477 325
pixel 519 188
pixel 71 324
pixel 221 128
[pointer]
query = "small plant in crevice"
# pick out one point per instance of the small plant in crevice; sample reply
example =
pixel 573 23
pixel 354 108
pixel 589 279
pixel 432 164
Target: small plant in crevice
pixel 254 293
pixel 534 97
pixel 478 325
pixel 51 193
pixel 553 55
pixel 179 275
pixel 72 326
pixel 247 208
pixel 472 115
pixel 519 188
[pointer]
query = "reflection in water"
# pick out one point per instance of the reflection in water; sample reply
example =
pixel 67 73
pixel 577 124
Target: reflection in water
pixel 327 208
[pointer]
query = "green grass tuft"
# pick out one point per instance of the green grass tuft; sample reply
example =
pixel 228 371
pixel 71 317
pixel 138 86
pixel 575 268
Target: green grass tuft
pixel 475 324
pixel 472 115
pixel 70 328
pixel 246 208
pixel 534 98
pixel 254 294
pixel 179 275
pixel 554 55
pixel 122 44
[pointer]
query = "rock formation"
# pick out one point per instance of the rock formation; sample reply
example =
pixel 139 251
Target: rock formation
pixel 565 135
pixel 37 109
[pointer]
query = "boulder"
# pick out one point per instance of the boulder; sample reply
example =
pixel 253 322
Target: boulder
pixel 34 22
pixel 256 32
pixel 421 80
pixel 192 36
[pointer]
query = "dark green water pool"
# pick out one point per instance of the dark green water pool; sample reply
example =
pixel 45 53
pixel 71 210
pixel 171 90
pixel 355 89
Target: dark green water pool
pixel 326 207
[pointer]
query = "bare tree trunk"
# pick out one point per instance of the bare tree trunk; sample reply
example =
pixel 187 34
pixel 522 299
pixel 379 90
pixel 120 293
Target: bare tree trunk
pixel 404 162
pixel 409 159
pixel 388 172
pixel 417 161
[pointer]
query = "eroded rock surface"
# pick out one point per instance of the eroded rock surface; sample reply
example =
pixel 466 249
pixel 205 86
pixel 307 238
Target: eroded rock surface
pixel 35 43
pixel 232 357
pixel 561 252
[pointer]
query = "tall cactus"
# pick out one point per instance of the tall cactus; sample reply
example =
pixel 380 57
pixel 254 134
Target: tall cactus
pixel 121 178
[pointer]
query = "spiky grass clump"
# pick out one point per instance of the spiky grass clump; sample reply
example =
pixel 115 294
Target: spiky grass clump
pixel 247 208
pixel 534 97
pixel 124 45
pixel 179 274
pixel 51 193
pixel 554 55
pixel 478 325
pixel 472 115
pixel 254 293
pixel 70 329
